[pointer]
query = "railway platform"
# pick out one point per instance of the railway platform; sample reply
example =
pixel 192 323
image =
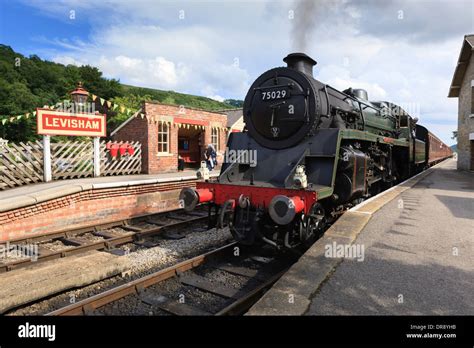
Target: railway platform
pixel 55 276
pixel 407 251
pixel 37 209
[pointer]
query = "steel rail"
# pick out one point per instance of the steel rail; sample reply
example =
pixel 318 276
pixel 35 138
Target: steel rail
pixel 88 305
pixel 90 228
pixel 243 304
pixel 99 245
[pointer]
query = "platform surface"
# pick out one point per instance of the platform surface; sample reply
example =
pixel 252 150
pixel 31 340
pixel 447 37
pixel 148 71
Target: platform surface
pixel 31 194
pixel 418 259
pixel 43 279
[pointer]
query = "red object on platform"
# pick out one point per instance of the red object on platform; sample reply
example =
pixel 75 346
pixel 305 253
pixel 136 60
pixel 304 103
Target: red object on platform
pixel 114 150
pixel 131 150
pixel 123 149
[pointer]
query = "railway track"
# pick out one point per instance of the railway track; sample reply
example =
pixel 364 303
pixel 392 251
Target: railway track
pixel 107 237
pixel 224 281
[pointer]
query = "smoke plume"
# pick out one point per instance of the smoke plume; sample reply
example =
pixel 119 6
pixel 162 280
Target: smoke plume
pixel 308 16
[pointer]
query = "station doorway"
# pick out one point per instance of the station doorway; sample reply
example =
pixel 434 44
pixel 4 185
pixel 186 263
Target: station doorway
pixel 190 148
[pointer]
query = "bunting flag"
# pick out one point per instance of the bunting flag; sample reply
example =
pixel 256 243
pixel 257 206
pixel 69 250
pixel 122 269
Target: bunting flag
pixel 110 105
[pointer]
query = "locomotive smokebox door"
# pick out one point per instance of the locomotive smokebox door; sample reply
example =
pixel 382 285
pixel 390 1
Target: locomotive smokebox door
pixel 282 106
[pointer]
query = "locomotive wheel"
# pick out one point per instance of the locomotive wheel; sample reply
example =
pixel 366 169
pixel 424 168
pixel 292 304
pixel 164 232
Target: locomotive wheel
pixel 226 215
pixel 314 224
pixel 245 227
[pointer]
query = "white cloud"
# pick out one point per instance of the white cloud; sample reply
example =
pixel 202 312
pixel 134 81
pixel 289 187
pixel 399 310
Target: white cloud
pixel 218 49
pixel 164 70
pixel 127 62
pixel 67 60
pixel 216 97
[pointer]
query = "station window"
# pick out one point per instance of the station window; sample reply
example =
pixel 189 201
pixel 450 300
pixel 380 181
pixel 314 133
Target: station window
pixel 163 138
pixel 472 97
pixel 215 138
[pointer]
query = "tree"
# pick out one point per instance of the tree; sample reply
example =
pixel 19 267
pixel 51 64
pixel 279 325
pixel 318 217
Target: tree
pixel 234 102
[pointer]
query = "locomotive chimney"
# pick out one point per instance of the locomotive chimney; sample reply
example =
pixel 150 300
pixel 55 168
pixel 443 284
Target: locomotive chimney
pixel 300 62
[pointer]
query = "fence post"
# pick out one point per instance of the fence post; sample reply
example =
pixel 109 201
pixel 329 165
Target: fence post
pixel 47 176
pixel 96 156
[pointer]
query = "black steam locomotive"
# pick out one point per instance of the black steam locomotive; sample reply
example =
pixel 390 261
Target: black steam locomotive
pixel 307 153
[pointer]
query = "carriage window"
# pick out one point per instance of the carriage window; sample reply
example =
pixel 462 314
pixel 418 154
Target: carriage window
pixel 163 138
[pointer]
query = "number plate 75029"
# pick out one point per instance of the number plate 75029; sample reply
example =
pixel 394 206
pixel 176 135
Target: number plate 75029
pixel 280 93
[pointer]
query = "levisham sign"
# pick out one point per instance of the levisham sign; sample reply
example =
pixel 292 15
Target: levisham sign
pixel 52 122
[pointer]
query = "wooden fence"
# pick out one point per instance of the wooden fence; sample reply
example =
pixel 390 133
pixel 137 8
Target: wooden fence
pixel 122 164
pixel 22 163
pixel 72 159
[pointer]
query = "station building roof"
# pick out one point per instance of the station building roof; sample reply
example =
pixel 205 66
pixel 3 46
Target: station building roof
pixel 141 110
pixel 233 116
pixel 463 62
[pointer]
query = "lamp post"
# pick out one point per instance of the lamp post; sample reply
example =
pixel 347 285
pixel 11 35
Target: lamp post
pixel 79 97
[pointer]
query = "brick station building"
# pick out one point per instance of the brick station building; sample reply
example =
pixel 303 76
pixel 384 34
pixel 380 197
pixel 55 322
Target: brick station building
pixel 462 87
pixel 167 131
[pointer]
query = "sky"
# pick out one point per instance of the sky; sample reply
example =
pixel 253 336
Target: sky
pixel 403 51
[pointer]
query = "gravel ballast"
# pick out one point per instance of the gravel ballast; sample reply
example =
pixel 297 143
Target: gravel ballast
pixel 141 261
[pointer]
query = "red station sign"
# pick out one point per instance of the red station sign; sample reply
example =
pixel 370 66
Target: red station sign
pixel 52 122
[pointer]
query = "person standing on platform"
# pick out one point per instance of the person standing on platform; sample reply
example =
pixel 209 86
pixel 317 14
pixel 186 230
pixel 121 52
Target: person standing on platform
pixel 180 163
pixel 211 157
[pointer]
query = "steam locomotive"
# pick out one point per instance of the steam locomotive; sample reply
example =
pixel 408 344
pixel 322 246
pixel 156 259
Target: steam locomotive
pixel 318 152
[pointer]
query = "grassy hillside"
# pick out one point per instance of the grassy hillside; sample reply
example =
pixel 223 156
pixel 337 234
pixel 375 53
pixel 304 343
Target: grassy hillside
pixel 175 98
pixel 30 82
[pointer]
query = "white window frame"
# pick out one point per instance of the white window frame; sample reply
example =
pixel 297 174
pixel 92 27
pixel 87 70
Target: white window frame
pixel 216 135
pixel 162 132
pixel 472 98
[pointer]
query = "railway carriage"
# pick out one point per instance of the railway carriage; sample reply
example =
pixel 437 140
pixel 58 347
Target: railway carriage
pixel 318 152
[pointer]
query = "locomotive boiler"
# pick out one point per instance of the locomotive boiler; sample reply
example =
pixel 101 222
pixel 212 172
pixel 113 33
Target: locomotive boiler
pixel 318 151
